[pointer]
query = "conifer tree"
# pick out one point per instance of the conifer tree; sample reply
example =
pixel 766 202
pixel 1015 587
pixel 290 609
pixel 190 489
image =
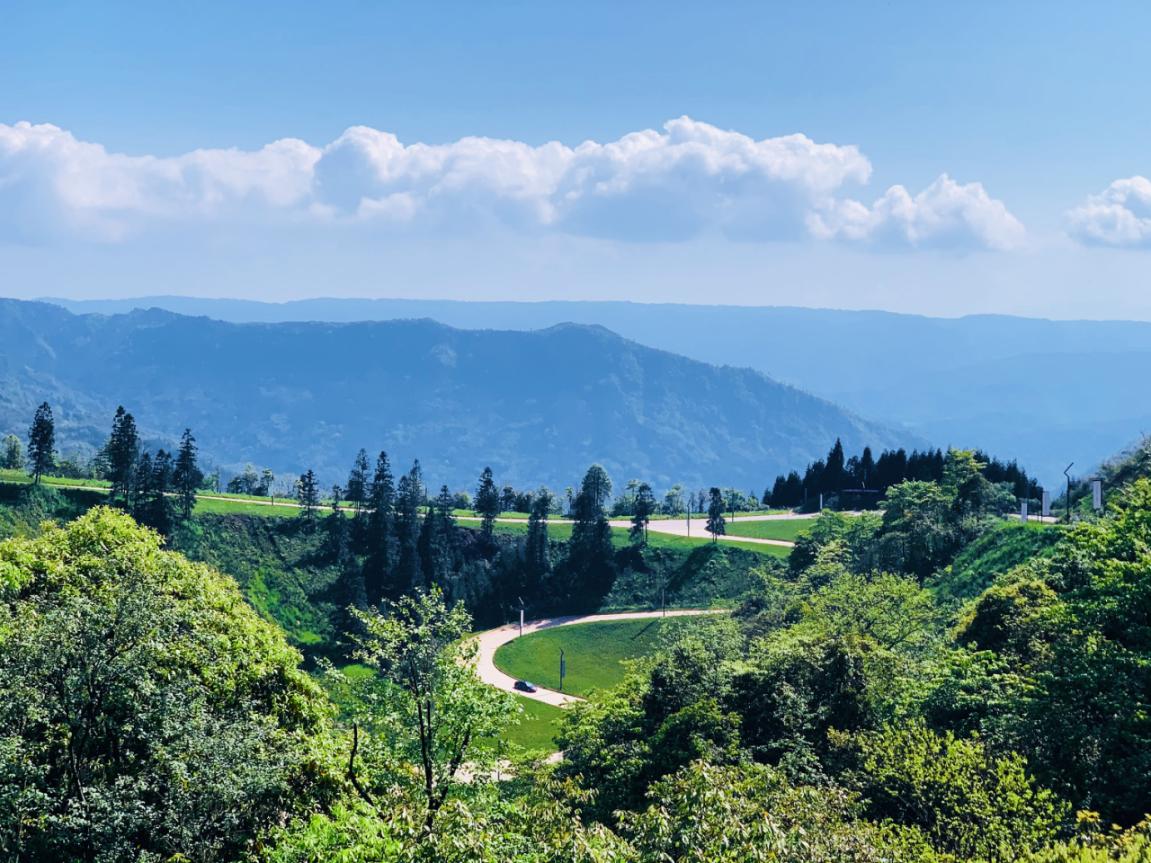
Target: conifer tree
pixel 12 453
pixel 438 540
pixel 487 503
pixel 409 497
pixel 151 501
pixel 121 454
pixel 308 495
pixel 141 492
pixel 42 442
pixel 590 552
pixel 537 548
pixel 643 507
pixel 379 539
pixel 716 524
pixel 186 475
pixel 356 492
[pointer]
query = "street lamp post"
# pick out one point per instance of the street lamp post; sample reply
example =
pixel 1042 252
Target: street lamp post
pixel 1066 473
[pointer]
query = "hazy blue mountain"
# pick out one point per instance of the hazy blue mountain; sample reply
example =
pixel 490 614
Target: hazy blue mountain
pixel 1046 392
pixel 538 406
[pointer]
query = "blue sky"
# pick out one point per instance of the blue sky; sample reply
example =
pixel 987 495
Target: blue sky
pixel 1013 130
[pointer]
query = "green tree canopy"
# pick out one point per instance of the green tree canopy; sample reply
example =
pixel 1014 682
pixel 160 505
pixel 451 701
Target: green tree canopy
pixel 146 712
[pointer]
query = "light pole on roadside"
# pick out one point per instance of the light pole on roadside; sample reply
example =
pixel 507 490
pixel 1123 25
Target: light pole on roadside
pixel 1067 473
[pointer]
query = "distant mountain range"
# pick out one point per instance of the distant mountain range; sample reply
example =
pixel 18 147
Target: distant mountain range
pixel 538 407
pixel 1045 392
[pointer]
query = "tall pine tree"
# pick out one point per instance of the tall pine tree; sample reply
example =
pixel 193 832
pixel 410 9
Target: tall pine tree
pixel 409 498
pixel 186 475
pixel 42 442
pixel 438 547
pixel 537 548
pixel 643 507
pixel 590 554
pixel 379 540
pixel 356 492
pixel 121 454
pixel 716 524
pixel 487 503
pixel 308 496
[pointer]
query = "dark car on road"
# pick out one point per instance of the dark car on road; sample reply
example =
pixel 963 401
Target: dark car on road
pixel 525 686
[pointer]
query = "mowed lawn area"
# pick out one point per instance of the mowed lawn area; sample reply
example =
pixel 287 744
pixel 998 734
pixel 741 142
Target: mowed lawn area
pixel 789 529
pixel 562 533
pixel 595 652
pixel 538 726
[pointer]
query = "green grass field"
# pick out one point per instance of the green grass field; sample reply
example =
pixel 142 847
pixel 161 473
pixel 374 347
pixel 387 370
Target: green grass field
pixel 786 529
pixel 21 478
pixel 213 506
pixel 563 532
pixel 594 652
pixel 538 726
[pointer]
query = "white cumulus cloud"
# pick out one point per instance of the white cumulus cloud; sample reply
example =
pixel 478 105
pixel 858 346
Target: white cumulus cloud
pixel 945 215
pixel 1119 216
pixel 687 179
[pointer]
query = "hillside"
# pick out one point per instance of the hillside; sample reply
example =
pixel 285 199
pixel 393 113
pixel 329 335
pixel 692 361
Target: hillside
pixel 537 406
pixel 1044 392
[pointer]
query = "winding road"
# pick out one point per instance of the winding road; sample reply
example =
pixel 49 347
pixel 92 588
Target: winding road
pixel 490 641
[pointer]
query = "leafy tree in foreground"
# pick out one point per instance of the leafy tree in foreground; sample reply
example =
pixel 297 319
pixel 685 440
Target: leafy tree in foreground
pixel 12 453
pixel 716 524
pixel 41 442
pixel 445 710
pixel 146 711
pixel 750 814
pixel 966 801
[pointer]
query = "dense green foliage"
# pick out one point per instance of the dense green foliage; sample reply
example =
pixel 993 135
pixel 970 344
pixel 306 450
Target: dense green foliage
pixel 924 684
pixel 144 709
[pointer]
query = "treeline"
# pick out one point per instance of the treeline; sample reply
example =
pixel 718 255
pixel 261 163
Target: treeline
pixel 400 540
pixel 157 488
pixel 861 481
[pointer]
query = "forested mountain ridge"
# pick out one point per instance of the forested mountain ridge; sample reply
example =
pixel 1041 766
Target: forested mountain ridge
pixel 538 406
pixel 1045 392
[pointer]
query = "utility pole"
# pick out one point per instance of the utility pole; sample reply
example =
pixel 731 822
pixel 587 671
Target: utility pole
pixel 521 599
pixel 1066 473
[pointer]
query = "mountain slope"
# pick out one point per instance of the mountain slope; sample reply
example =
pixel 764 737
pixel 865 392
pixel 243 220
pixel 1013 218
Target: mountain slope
pixel 537 406
pixel 1045 392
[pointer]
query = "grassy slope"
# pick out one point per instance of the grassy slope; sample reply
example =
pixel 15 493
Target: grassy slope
pixel 563 532
pixel 787 529
pixel 999 550
pixel 594 651
pixel 277 565
pixel 537 728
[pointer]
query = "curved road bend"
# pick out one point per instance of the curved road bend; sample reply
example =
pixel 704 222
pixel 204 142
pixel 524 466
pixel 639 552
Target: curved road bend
pixel 491 640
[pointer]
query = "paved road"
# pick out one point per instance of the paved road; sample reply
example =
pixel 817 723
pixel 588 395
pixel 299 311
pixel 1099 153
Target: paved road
pixel 491 640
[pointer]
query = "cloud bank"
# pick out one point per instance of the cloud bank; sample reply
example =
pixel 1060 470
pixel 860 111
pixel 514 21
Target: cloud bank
pixel 686 180
pixel 1119 216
